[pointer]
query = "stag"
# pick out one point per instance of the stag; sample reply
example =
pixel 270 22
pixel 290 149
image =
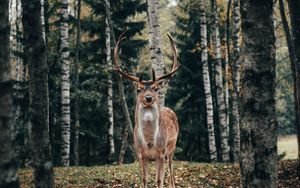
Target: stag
pixel 156 129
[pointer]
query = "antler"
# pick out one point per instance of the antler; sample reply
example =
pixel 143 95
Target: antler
pixel 126 75
pixel 175 66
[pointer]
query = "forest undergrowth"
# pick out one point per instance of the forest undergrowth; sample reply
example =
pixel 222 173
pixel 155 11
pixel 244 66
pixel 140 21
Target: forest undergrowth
pixel 187 174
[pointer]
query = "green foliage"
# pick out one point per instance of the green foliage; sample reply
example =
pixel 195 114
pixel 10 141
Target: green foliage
pixel 93 74
pixel 285 108
pixel 186 93
pixel 21 125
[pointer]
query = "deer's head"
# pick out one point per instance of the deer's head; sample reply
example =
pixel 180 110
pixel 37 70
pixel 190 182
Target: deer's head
pixel 147 89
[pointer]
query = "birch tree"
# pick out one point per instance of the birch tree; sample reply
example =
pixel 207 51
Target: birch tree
pixel 110 135
pixel 156 56
pixel 65 84
pixel 8 176
pixel 226 52
pixel 235 80
pixel 258 157
pixel 207 89
pixel 43 19
pixel 35 49
pixel 128 123
pixel 224 129
pixel 16 49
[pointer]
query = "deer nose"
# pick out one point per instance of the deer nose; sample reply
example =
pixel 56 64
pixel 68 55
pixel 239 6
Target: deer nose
pixel 148 98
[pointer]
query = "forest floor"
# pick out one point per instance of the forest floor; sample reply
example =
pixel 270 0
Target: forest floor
pixel 187 174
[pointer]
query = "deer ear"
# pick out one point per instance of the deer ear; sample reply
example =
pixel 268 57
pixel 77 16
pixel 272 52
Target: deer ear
pixel 153 75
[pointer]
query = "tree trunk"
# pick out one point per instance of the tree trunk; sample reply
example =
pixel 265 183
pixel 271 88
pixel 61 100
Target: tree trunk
pixel 226 52
pixel 224 129
pixel 156 56
pixel 16 50
pixel 258 157
pixel 12 20
pixel 128 125
pixel 294 6
pixel 207 89
pixel 43 19
pixel 122 95
pixel 8 176
pixel 76 116
pixel 123 146
pixel 65 85
pixel 235 80
pixel 38 90
pixel 110 135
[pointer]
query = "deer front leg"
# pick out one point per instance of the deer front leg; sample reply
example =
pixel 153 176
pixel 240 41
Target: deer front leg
pixel 160 172
pixel 144 164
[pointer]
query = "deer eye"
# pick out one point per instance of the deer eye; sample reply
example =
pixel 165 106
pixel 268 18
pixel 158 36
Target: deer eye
pixel 156 89
pixel 139 90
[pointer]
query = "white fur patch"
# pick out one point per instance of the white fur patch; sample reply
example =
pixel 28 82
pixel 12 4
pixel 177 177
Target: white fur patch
pixel 148 115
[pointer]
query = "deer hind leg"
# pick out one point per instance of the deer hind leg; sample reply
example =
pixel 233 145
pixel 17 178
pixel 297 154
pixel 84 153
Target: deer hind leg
pixel 172 180
pixel 144 164
pixel 160 172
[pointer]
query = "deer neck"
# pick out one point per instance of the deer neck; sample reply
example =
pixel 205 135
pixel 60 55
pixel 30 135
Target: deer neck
pixel 148 124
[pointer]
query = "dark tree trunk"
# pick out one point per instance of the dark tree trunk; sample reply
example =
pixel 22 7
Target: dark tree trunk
pixel 128 124
pixel 8 177
pixel 294 6
pixel 77 122
pixel 123 146
pixel 258 157
pixel 35 49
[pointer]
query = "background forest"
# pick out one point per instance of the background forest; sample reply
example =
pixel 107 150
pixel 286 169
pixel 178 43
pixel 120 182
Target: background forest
pixel 91 108
pixel 185 93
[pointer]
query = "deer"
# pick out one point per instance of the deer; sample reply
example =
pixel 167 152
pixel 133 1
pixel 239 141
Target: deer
pixel 156 129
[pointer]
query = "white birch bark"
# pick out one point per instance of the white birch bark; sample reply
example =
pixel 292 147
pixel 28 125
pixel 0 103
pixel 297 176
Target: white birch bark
pixel 43 19
pixel 236 80
pixel 12 21
pixel 226 53
pixel 17 50
pixel 207 89
pixel 226 86
pixel 65 100
pixel 110 135
pixel 224 129
pixel 156 56
pixel 122 94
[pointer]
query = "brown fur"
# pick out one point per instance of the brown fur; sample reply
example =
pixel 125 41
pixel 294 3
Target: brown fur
pixel 156 130
pixel 152 145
